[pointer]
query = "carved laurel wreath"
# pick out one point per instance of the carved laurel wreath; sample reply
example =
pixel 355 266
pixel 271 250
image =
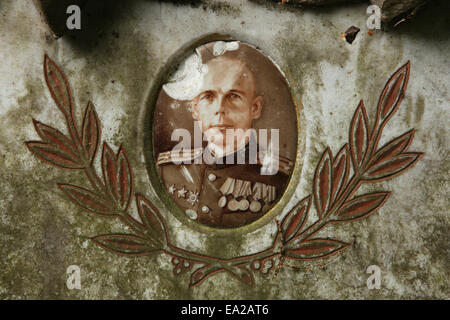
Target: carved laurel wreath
pixel 336 180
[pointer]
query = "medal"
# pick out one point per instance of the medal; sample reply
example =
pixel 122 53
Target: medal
pixel 233 205
pixel 255 206
pixel 243 205
pixel 222 202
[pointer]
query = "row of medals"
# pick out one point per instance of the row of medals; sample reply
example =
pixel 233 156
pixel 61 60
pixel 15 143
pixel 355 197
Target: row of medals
pixel 243 189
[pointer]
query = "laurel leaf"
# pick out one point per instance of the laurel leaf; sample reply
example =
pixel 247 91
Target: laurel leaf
pixel 87 199
pixel 53 155
pixel 295 220
pixel 243 274
pixel 55 138
pixel 125 186
pixel 152 219
pixel 315 249
pixel 109 168
pixel 322 183
pixel 126 244
pixel 58 86
pixel 359 135
pixel 91 132
pixel 392 167
pixel 202 274
pixel 391 158
pixel 341 169
pixel 117 174
pixel 361 206
pixel 393 93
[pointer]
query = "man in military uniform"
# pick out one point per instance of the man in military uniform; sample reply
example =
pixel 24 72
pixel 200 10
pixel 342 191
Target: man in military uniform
pixel 225 185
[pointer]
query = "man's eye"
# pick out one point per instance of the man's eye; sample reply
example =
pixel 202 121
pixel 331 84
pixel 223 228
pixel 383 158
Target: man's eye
pixel 208 97
pixel 234 96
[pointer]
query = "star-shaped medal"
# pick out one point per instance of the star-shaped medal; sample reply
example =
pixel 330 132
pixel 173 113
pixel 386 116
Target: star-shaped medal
pixel 172 189
pixel 181 193
pixel 192 198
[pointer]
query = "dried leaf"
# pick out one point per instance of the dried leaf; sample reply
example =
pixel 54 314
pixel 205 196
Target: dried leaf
pixel 91 132
pixel 126 244
pixel 315 249
pixel 322 183
pixel 86 199
pixel 350 34
pixel 361 206
pixel 295 220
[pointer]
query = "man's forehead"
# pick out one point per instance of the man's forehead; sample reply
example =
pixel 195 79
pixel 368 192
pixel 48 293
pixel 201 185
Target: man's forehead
pixel 230 65
pixel 228 72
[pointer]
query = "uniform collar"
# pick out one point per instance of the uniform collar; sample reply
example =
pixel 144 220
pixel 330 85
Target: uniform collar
pixel 241 156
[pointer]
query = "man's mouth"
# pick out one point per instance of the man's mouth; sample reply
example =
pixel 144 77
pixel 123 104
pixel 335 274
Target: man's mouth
pixel 221 127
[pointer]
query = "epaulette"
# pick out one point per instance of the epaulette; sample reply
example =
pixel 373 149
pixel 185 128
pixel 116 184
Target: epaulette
pixel 178 156
pixel 284 164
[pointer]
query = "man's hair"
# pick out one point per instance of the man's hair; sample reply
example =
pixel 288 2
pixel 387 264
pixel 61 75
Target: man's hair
pixel 235 60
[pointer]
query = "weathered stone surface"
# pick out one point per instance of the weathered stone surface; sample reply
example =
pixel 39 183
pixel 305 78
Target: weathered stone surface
pixel 115 63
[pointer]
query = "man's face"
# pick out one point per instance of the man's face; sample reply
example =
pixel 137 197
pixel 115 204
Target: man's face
pixel 227 101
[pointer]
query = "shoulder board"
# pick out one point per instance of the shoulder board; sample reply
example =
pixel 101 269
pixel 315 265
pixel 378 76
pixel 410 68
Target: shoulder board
pixel 284 165
pixel 178 156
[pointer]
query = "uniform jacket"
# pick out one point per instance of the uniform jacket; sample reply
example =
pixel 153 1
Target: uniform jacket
pixel 220 192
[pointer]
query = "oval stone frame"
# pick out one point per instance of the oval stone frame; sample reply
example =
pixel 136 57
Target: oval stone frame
pixel 169 205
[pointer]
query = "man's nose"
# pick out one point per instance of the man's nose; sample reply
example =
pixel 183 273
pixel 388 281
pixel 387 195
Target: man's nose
pixel 221 108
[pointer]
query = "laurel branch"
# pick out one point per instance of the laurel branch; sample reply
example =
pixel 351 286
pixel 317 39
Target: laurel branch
pixel 336 180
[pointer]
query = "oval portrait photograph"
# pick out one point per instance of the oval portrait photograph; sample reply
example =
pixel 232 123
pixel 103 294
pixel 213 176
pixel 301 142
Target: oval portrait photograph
pixel 225 134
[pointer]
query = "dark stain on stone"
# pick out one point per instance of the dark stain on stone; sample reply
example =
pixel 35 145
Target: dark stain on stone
pixel 220 7
pixel 420 108
pixel 407 112
pixel 378 57
pixel 191 3
pixel 51 252
pixel 295 6
pixel 302 59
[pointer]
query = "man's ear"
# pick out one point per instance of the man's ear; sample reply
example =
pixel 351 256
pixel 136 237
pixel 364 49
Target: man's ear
pixel 257 106
pixel 194 109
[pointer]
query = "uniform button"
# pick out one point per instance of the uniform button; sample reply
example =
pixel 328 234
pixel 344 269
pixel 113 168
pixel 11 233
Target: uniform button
pixel 191 214
pixel 222 202
pixel 212 177
pixel 205 209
